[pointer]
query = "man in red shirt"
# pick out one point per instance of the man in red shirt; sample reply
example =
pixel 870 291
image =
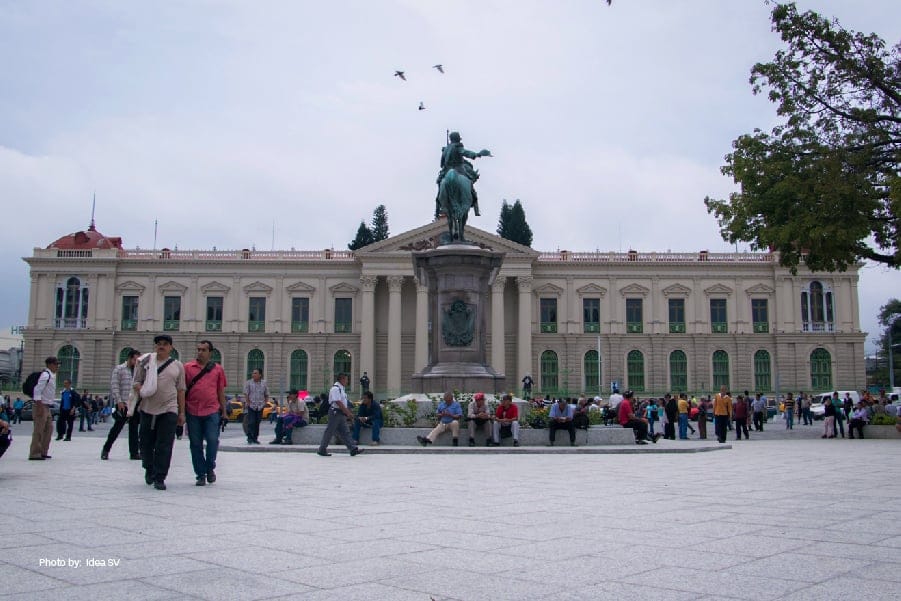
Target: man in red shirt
pixel 628 419
pixel 505 416
pixel 204 408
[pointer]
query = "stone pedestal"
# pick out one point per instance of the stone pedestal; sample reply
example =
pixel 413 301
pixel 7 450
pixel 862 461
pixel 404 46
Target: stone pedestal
pixel 459 279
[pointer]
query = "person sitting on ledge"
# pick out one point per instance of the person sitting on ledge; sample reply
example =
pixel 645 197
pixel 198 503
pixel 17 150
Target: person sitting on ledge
pixel 858 421
pixel 369 415
pixel 506 419
pixel 295 417
pixel 479 417
pixel 561 418
pixel 449 414
pixel 628 419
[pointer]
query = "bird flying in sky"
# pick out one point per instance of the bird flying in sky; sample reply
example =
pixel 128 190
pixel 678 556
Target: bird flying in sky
pixel 439 67
pixel 400 74
pixel 421 106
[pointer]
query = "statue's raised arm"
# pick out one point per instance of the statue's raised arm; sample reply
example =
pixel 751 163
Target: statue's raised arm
pixel 456 193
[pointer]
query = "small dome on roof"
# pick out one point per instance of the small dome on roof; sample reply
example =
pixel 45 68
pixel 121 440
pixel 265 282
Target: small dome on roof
pixel 88 239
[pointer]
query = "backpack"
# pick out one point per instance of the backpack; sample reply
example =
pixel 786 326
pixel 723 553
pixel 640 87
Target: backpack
pixel 30 382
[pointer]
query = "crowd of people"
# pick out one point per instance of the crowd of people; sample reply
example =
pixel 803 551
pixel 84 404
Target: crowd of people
pixel 157 397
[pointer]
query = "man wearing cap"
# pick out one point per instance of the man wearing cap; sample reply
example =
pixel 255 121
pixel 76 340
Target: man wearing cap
pixel 119 389
pixel 160 380
pixel 204 408
pixel 43 395
pixel 338 414
pixel 449 414
pixel 506 417
pixel 561 418
pixel 295 417
pixel 479 417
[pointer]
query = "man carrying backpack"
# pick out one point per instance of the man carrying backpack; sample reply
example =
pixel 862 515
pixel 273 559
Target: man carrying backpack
pixel 42 395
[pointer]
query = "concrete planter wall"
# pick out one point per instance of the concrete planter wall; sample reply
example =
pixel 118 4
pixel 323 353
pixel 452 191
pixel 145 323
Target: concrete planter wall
pixel 881 432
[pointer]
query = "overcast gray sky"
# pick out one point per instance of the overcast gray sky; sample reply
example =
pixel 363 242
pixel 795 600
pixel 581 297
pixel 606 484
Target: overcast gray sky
pixel 222 119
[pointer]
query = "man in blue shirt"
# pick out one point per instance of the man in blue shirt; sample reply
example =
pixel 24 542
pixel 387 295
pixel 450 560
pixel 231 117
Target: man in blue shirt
pixel 449 414
pixel 561 418
pixel 69 403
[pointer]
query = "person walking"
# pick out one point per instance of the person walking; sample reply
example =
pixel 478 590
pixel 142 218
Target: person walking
pixel 703 410
pixel 839 424
pixel 121 381
pixel 788 411
pixel 160 380
pixel 18 405
pixel 44 393
pixel 257 393
pixel 740 415
pixel 338 414
pixel 828 420
pixel 204 408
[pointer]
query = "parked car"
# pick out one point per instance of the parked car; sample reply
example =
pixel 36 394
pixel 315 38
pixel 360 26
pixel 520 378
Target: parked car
pixel 268 408
pixel 26 410
pixel 818 411
pixel 235 410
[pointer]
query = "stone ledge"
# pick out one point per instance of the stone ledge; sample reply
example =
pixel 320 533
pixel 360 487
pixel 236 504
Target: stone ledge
pixel 596 435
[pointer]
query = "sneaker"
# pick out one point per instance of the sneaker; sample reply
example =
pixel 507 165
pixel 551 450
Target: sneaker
pixel 104 456
pixel 515 443
pixel 641 442
pixel 148 478
pixel 423 440
pixel 160 485
pixel 201 481
pixel 59 437
pixel 321 454
pixel 356 451
pixel 211 476
pixel 67 439
pixel 276 441
pixel 657 437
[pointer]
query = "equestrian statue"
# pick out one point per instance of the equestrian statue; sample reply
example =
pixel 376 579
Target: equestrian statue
pixel 456 194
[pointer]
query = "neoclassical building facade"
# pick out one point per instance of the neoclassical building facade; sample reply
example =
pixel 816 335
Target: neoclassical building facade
pixel 576 322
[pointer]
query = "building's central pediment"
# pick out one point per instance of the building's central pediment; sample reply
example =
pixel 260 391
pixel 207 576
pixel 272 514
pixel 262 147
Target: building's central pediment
pixel 429 236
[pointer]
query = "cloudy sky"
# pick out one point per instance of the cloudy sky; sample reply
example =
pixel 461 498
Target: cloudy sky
pixel 228 121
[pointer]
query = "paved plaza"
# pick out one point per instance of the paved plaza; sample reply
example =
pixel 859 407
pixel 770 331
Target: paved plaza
pixel 783 516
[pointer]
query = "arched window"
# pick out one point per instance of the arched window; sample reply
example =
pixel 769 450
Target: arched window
pixel 216 356
pixel 549 381
pixel 678 372
pixel 821 370
pixel 762 380
pixel 591 367
pixel 71 304
pixel 720 370
pixel 635 370
pixel 298 370
pixel 255 361
pixel 817 311
pixel 69 358
pixel 342 364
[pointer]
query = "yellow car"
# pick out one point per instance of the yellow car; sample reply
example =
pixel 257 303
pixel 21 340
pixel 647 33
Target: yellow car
pixel 235 410
pixel 269 408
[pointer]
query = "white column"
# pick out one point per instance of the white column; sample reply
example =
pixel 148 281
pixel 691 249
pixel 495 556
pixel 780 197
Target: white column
pixel 524 329
pixel 422 328
pixel 395 285
pixel 276 314
pixel 367 322
pixel 498 348
pixel 33 312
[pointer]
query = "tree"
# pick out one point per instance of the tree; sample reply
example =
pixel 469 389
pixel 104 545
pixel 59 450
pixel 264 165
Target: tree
pixel 379 224
pixel 890 319
pixel 823 186
pixel 512 224
pixel 364 237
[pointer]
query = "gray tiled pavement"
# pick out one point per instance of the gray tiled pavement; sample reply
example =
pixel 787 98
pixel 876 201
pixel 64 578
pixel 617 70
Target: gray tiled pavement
pixel 783 516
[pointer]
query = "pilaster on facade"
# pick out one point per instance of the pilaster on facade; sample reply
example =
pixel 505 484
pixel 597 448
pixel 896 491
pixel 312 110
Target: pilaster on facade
pixel 368 283
pixel 524 329
pixel 498 344
pixel 395 286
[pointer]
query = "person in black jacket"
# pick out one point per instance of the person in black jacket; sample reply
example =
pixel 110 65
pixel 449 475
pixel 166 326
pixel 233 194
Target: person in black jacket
pixel 672 416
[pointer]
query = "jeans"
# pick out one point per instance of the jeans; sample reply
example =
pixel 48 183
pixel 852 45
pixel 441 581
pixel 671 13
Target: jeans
pixel 683 426
pixel 203 428
pixel 789 420
pixel 65 422
pixel 805 415
pixel 759 420
pixel 157 440
pixel 376 426
pixel 253 424
pixel 568 426
pixel 839 424
pixel 741 425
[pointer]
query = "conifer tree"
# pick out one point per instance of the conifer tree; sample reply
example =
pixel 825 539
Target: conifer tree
pixel 364 237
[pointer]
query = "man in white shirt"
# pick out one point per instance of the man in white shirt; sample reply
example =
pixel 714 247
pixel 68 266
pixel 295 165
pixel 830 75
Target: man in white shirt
pixel 338 414
pixel 44 393
pixel 615 399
